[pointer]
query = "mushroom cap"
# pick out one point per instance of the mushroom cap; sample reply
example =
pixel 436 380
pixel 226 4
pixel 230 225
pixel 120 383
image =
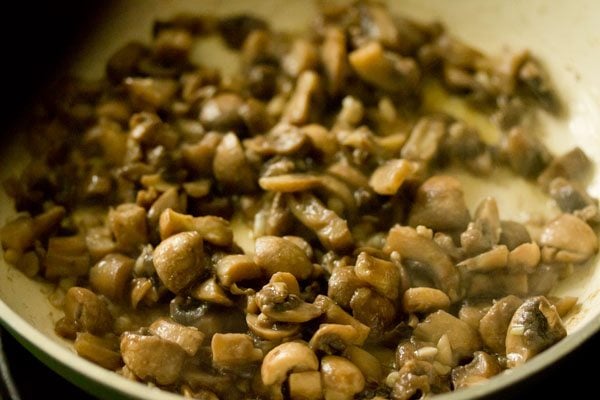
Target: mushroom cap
pixel 287 357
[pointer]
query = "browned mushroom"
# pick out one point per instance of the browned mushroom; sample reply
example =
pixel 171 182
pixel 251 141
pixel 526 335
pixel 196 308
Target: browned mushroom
pixel 411 245
pixel 483 367
pixel 274 254
pixel 534 327
pixel 341 378
pixel 179 260
pixel 558 245
pixel 151 357
pixel 494 324
pixel 232 350
pixel 188 338
pixel 440 205
pixel 464 340
pixel 111 275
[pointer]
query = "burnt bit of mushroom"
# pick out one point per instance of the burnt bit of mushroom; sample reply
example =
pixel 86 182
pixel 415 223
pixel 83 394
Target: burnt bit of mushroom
pixel 296 228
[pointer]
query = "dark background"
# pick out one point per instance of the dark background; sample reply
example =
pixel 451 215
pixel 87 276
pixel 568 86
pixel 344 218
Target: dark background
pixel 35 37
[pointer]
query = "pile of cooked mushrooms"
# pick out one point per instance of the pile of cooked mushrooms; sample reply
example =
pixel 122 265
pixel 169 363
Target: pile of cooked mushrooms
pixel 292 231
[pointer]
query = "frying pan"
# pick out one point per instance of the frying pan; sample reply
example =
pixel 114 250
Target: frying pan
pixel 565 36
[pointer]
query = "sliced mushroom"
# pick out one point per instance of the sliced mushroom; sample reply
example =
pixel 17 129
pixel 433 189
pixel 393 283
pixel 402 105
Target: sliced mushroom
pixel 524 258
pixel 331 230
pixel 179 260
pixel 384 276
pixel 128 223
pixel 222 112
pixel 301 57
pixel 152 358
pixel 306 385
pixel 407 241
pixel 384 70
pixel 334 59
pixel 372 309
pixel 494 324
pixel 389 177
pixel 66 257
pixel 274 254
pixel 285 358
pixel 188 338
pixel 230 166
pixel 341 378
pixel 440 205
pixel 464 340
pixel 342 284
pixel 425 140
pixel 300 105
pixel 111 275
pixel 235 268
pixel 494 259
pixel 534 327
pixel 572 165
pixel 570 196
pixel 211 292
pixel 271 330
pixel 334 338
pixel 424 300
pixel 559 246
pixel 483 367
pixel 232 350
pixel 513 234
pixel 103 351
pixel 86 312
pixel 369 365
pixel 334 314
pixel 524 152
pixel 212 229
pixel 277 303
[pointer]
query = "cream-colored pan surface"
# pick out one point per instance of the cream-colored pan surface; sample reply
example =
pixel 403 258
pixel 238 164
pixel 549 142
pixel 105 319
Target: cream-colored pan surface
pixel 564 35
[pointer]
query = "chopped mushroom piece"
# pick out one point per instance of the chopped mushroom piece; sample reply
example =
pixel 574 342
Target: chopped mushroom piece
pixel 483 367
pixel 274 254
pixel 231 350
pixel 558 245
pixel 285 358
pixel 188 338
pixel 334 314
pixel 271 330
pixel 341 378
pixel 524 258
pixel 179 260
pixel 230 166
pixel 497 258
pixel 151 357
pixel 571 165
pixel 66 257
pixel 212 229
pixel 99 350
pixel 334 338
pixel 440 205
pixel 407 241
pixel 331 230
pixel 424 299
pixel 389 177
pixel 464 340
pixel 236 268
pixel 306 385
pixel 385 70
pixel 111 275
pixel 534 327
pixel 128 223
pixel 494 324
pixel 384 276
pixel 425 140
pixel 300 106
pixel 334 59
pixel 86 312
